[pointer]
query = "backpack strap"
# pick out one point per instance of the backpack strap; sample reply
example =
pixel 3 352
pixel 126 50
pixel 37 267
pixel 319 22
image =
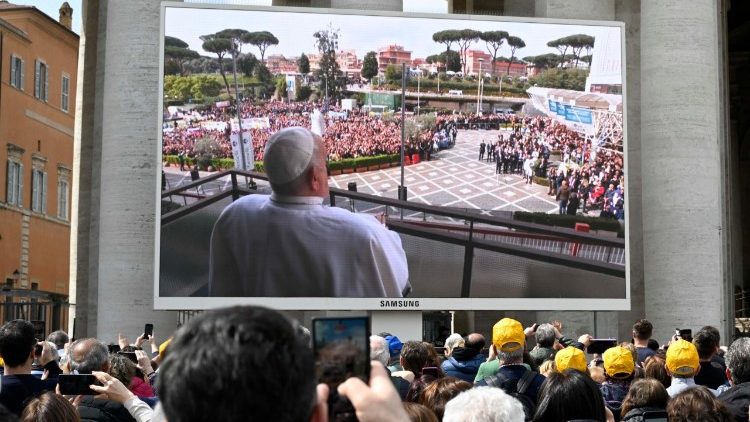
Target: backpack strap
pixel 525 381
pixel 496 380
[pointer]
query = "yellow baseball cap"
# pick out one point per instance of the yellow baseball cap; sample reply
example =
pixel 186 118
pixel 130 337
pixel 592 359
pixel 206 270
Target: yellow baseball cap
pixel 618 362
pixel 570 357
pixel 163 347
pixel 507 335
pixel 682 358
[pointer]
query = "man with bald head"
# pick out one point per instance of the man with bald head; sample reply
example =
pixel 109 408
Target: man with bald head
pixel 85 356
pixel 289 244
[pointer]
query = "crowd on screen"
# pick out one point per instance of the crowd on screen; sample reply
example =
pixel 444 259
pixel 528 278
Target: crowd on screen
pixel 579 180
pixel 235 364
pixel 348 134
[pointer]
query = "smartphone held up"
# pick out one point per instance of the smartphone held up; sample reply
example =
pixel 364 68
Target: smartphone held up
pixel 342 349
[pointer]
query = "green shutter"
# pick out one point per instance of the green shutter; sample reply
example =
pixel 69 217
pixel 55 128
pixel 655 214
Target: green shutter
pixel 13 70
pixel 43 210
pixel 37 86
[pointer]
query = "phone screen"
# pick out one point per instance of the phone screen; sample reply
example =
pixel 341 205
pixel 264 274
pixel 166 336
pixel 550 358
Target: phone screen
pixel 77 384
pixel 148 330
pixel 600 345
pixel 113 348
pixel 342 349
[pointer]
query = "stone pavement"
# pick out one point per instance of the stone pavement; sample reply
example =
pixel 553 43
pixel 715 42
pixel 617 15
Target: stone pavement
pixel 456 178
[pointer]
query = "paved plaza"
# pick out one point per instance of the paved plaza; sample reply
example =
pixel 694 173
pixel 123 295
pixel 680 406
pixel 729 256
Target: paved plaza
pixel 453 178
pixel 456 178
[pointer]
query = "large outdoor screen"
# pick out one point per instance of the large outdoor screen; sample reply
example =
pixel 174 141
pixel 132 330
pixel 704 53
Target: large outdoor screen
pixel 505 136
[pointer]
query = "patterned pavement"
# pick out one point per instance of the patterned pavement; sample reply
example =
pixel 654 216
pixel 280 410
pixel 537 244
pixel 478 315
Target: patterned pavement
pixel 456 178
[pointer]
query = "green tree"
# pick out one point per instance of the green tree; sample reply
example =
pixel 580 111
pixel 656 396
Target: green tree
pixel 515 44
pixel 573 79
pixel 466 38
pixel 447 37
pixel 204 86
pixel 543 61
pixel 577 43
pixel 265 80
pixel 393 73
pixel 447 61
pixel 206 149
pixel 280 85
pixel 221 47
pixel 176 52
pixel 562 46
pixel 260 39
pixel 237 38
pixel 171 68
pixel 195 87
pixel 494 41
pixel 246 63
pixel 303 64
pixel 370 66
pixel 329 74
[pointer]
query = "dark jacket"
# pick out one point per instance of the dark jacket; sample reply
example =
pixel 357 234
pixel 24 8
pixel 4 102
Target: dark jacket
pixel 636 415
pixel 737 400
pixel 463 364
pixel 16 390
pixel 97 410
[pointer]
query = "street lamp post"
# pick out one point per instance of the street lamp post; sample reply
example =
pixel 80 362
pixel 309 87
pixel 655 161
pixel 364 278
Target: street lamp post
pixel 479 87
pixel 419 75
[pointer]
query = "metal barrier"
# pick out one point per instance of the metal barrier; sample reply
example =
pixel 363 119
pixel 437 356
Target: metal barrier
pixel 49 311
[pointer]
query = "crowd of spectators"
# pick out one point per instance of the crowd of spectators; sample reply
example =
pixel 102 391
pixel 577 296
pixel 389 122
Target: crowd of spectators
pixel 348 134
pixel 581 178
pixel 243 363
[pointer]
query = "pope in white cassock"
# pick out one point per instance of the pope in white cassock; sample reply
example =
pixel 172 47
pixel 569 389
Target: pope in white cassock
pixel 289 244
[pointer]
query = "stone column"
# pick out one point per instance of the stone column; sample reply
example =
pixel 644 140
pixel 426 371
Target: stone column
pixel 576 9
pixel 390 5
pixel 683 139
pixel 116 169
pixel 629 11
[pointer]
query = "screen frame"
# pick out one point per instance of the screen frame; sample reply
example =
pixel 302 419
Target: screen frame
pixel 387 304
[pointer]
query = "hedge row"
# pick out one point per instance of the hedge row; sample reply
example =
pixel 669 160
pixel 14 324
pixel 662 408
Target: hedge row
pixel 569 221
pixel 346 163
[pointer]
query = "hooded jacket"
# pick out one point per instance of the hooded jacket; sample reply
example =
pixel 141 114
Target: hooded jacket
pixel 463 363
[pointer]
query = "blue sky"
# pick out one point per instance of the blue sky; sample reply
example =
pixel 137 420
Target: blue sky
pixel 362 33
pixel 52 8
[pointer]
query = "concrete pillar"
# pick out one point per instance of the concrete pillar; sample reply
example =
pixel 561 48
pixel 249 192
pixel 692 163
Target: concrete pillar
pixel 519 8
pixel 576 9
pixel 116 144
pixel 629 11
pixel 390 5
pixel 683 139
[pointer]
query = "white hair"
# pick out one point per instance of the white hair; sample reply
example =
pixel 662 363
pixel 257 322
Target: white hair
pixel 454 340
pixel 379 350
pixel 484 404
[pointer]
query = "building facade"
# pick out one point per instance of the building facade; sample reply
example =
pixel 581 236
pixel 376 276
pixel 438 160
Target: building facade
pixel 392 55
pixel 38 74
pixel 476 59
